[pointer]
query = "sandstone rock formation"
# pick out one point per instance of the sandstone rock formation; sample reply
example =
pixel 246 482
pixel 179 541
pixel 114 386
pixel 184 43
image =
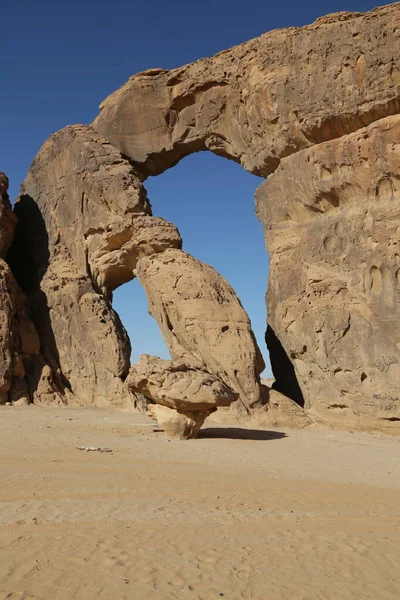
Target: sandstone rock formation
pixel 216 360
pixel 7 217
pixel 182 424
pixel 84 222
pixel 336 216
pixel 282 412
pixel 178 385
pixel 314 110
pixel 265 99
pixel 202 321
pixel 184 396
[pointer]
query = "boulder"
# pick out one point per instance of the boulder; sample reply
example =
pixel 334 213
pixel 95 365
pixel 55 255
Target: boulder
pixel 182 396
pixel 178 385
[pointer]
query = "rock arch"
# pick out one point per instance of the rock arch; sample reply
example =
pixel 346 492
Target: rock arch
pixel 314 111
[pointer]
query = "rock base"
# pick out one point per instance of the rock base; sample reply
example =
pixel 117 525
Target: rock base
pixel 183 425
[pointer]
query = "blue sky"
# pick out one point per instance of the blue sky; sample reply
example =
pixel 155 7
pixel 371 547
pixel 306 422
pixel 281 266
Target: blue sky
pixel 60 59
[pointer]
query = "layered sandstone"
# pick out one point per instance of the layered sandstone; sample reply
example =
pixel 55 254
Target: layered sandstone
pixel 183 396
pixel 178 385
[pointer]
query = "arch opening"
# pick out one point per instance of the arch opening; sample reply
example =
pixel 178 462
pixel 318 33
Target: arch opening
pixel 208 199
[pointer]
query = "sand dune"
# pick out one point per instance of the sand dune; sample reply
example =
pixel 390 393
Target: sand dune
pixel 288 515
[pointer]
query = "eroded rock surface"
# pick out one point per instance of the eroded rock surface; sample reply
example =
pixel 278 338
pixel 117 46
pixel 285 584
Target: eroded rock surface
pixel 184 396
pixel 315 110
pixel 84 223
pixel 281 412
pixel 181 424
pixel 202 321
pixel 265 99
pixel 334 294
pixel 179 386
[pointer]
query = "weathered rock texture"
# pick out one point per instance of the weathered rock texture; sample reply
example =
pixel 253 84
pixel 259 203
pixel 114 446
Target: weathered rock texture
pixel 184 396
pixel 7 217
pixel 181 424
pixel 282 412
pixel 24 375
pixel 202 321
pixel 314 110
pixel 334 293
pixel 84 223
pixel 178 385
pixel 265 99
pixel 216 360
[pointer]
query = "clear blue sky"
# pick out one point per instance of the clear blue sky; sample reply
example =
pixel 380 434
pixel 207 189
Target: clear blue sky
pixel 61 58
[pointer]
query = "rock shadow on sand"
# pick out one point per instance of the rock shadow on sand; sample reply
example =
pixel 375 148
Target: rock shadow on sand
pixel 238 433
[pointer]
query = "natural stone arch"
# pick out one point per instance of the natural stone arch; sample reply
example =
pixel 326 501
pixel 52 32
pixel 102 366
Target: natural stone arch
pixel 266 99
pixel 308 109
pixel 85 228
pixel 305 109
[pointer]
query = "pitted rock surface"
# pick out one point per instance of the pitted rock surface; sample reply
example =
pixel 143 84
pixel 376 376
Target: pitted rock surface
pixel 334 294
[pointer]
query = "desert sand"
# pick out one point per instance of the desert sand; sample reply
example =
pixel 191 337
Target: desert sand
pixel 256 514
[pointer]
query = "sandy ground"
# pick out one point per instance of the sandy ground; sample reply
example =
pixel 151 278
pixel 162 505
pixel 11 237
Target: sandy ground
pixel 266 515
